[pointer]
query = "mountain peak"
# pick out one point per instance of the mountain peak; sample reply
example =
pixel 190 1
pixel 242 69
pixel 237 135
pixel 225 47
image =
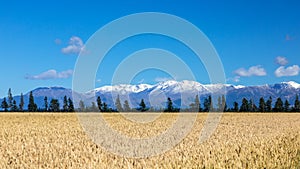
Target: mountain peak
pixel 293 84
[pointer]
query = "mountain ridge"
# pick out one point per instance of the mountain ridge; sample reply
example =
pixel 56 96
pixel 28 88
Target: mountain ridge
pixel 157 94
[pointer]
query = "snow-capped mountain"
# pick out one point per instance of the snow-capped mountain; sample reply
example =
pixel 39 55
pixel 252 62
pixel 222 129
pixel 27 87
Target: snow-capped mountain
pixel 182 93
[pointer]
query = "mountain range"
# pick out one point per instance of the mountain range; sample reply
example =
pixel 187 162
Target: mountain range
pixel 156 95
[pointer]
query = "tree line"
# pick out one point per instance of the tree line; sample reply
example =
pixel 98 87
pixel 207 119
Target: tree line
pixel 10 105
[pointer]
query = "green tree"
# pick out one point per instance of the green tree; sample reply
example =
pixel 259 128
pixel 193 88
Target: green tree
pixel 235 107
pixel 251 106
pixel 4 105
pixel 14 107
pixel 118 104
pixel 21 105
pixel 99 103
pixel 32 107
pixel 224 104
pixel 219 104
pixel 286 106
pixel 81 106
pixel 65 104
pixel 245 105
pixel 10 99
pixel 54 105
pixel 126 106
pixel 208 105
pixel 278 107
pixel 142 106
pixel 105 107
pixel 45 103
pixel 70 105
pixel 262 105
pixel 297 104
pixel 195 107
pixel 93 107
pixel 269 104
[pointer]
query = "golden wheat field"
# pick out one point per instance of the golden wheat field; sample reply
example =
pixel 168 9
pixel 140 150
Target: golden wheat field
pixel 248 140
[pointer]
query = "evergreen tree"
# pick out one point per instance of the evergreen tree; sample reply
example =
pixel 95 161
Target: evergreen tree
pixel 21 105
pixel 286 106
pixel 9 99
pixel 211 105
pixel 81 106
pixel 195 107
pixel 14 107
pixel 142 106
pixel 224 104
pixel 262 105
pixel 208 105
pixel 99 103
pixel 170 107
pixel 251 106
pixel 126 106
pixel 278 107
pixel 269 104
pixel 235 107
pixel 4 105
pixel 244 106
pixel 118 104
pixel 219 104
pixel 70 105
pixel 32 107
pixel 45 103
pixel 65 104
pixel 93 107
pixel 54 105
pixel 105 107
pixel 297 104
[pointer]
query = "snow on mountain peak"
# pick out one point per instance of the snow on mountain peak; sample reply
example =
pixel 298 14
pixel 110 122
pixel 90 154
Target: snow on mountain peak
pixel 123 88
pixel 292 84
pixel 239 87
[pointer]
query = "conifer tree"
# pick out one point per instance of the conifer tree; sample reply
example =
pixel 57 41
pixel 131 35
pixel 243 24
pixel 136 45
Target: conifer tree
pixel 32 107
pixel 278 107
pixel 21 105
pixel 4 105
pixel 65 104
pixel 118 104
pixel 9 99
pixel 45 103
pixel 262 105
pixel 297 104
pixel 126 106
pixel 54 105
pixel 286 106
pixel 14 107
pixel 235 107
pixel 70 105
pixel 269 104
pixel 142 106
pixel 99 104
pixel 244 106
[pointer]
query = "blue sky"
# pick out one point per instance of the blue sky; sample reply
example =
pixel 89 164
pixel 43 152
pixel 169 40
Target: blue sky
pixel 258 41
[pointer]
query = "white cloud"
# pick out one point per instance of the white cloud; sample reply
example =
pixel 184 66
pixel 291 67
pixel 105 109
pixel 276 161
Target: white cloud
pixel 289 71
pixel 75 46
pixel 51 74
pixel 252 71
pixel 234 79
pixel 162 79
pixel 281 60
